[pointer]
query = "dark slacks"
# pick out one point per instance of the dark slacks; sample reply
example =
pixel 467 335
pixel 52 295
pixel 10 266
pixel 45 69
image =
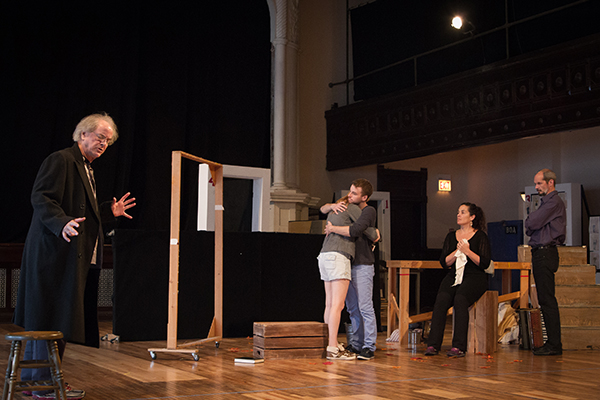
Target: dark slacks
pixel 460 297
pixel 90 306
pixel 545 264
pixel 38 350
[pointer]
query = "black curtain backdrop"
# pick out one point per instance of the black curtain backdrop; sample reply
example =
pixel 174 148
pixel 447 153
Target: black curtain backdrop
pixel 191 76
pixel 266 277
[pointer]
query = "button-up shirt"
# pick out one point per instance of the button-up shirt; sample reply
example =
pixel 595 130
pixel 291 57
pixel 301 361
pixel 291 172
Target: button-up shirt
pixel 547 225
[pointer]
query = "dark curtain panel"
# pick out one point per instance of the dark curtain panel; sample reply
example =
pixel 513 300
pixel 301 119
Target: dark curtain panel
pixel 191 76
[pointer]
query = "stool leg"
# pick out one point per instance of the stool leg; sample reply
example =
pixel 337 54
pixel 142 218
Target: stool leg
pixel 11 370
pixel 56 369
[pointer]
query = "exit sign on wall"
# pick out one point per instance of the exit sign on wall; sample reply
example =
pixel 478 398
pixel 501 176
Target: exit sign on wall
pixel 444 185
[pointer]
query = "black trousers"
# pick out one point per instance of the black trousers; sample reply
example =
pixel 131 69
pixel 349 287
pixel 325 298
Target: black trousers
pixel 90 307
pixel 545 264
pixel 460 297
pixel 36 349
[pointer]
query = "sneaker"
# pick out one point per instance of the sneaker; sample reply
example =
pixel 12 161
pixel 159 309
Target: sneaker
pixel 352 349
pixel 341 346
pixel 71 394
pixel 455 352
pixel 366 354
pixel 431 351
pixel 340 355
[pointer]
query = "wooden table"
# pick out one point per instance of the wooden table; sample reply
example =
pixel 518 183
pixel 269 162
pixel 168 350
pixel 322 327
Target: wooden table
pixel 399 272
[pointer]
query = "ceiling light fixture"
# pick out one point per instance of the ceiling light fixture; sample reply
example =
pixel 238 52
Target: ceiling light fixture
pixel 460 23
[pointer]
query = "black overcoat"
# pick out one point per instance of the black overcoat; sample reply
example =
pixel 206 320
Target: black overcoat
pixel 54 271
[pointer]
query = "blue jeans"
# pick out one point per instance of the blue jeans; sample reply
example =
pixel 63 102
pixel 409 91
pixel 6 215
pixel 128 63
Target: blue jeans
pixel 359 302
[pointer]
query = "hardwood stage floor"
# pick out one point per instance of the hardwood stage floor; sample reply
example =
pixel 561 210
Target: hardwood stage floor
pixel 125 371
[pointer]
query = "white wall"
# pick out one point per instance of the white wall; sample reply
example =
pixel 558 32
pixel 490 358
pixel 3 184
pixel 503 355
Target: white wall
pixel 321 59
pixel 493 176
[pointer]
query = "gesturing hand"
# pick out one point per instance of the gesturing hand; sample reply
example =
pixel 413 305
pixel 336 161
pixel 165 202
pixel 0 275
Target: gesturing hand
pixel 120 207
pixel 70 229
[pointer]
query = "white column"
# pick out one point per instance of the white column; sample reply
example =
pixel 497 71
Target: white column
pixel 279 108
pixel 292 116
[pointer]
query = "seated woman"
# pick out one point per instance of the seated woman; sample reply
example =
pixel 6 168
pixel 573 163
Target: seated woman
pixel 335 261
pixel 467 253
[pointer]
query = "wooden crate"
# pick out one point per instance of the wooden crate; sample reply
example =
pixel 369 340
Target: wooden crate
pixel 285 340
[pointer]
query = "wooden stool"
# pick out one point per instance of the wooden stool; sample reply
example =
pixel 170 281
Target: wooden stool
pixel 11 385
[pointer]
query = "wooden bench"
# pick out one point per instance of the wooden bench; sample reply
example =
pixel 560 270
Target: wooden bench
pixel 399 275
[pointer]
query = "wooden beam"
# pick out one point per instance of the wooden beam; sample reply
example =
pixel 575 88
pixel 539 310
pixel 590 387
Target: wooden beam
pixel 174 249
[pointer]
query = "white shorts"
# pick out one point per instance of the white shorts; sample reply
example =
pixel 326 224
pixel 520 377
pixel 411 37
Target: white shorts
pixel 334 266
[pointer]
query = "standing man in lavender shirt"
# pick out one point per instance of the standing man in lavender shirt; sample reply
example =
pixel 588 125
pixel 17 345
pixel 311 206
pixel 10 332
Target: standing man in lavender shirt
pixel 546 227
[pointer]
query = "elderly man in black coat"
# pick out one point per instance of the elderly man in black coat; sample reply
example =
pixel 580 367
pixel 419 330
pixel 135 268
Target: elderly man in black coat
pixel 58 286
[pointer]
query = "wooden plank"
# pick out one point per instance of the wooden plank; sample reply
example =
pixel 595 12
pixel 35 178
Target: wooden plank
pixel 392 317
pixel 290 328
pixel 174 249
pixel 428 264
pixel 486 321
pixel 511 265
pixel 506 281
pixel 211 164
pixel 526 278
pixel 509 297
pixel 217 174
pixel 472 330
pixel 403 306
pixel 297 342
pixel 288 353
pixel 130 366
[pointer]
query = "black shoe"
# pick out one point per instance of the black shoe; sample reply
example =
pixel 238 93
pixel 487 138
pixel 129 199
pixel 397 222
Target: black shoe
pixel 546 350
pixel 366 354
pixel 352 349
pixel 431 351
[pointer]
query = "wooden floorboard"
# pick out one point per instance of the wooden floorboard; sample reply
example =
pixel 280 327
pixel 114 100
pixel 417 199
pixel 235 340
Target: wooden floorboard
pixel 125 371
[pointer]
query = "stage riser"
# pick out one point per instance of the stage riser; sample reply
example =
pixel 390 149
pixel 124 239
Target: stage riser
pixel 568 255
pixel 580 316
pixel 576 275
pixel 580 337
pixel 578 295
